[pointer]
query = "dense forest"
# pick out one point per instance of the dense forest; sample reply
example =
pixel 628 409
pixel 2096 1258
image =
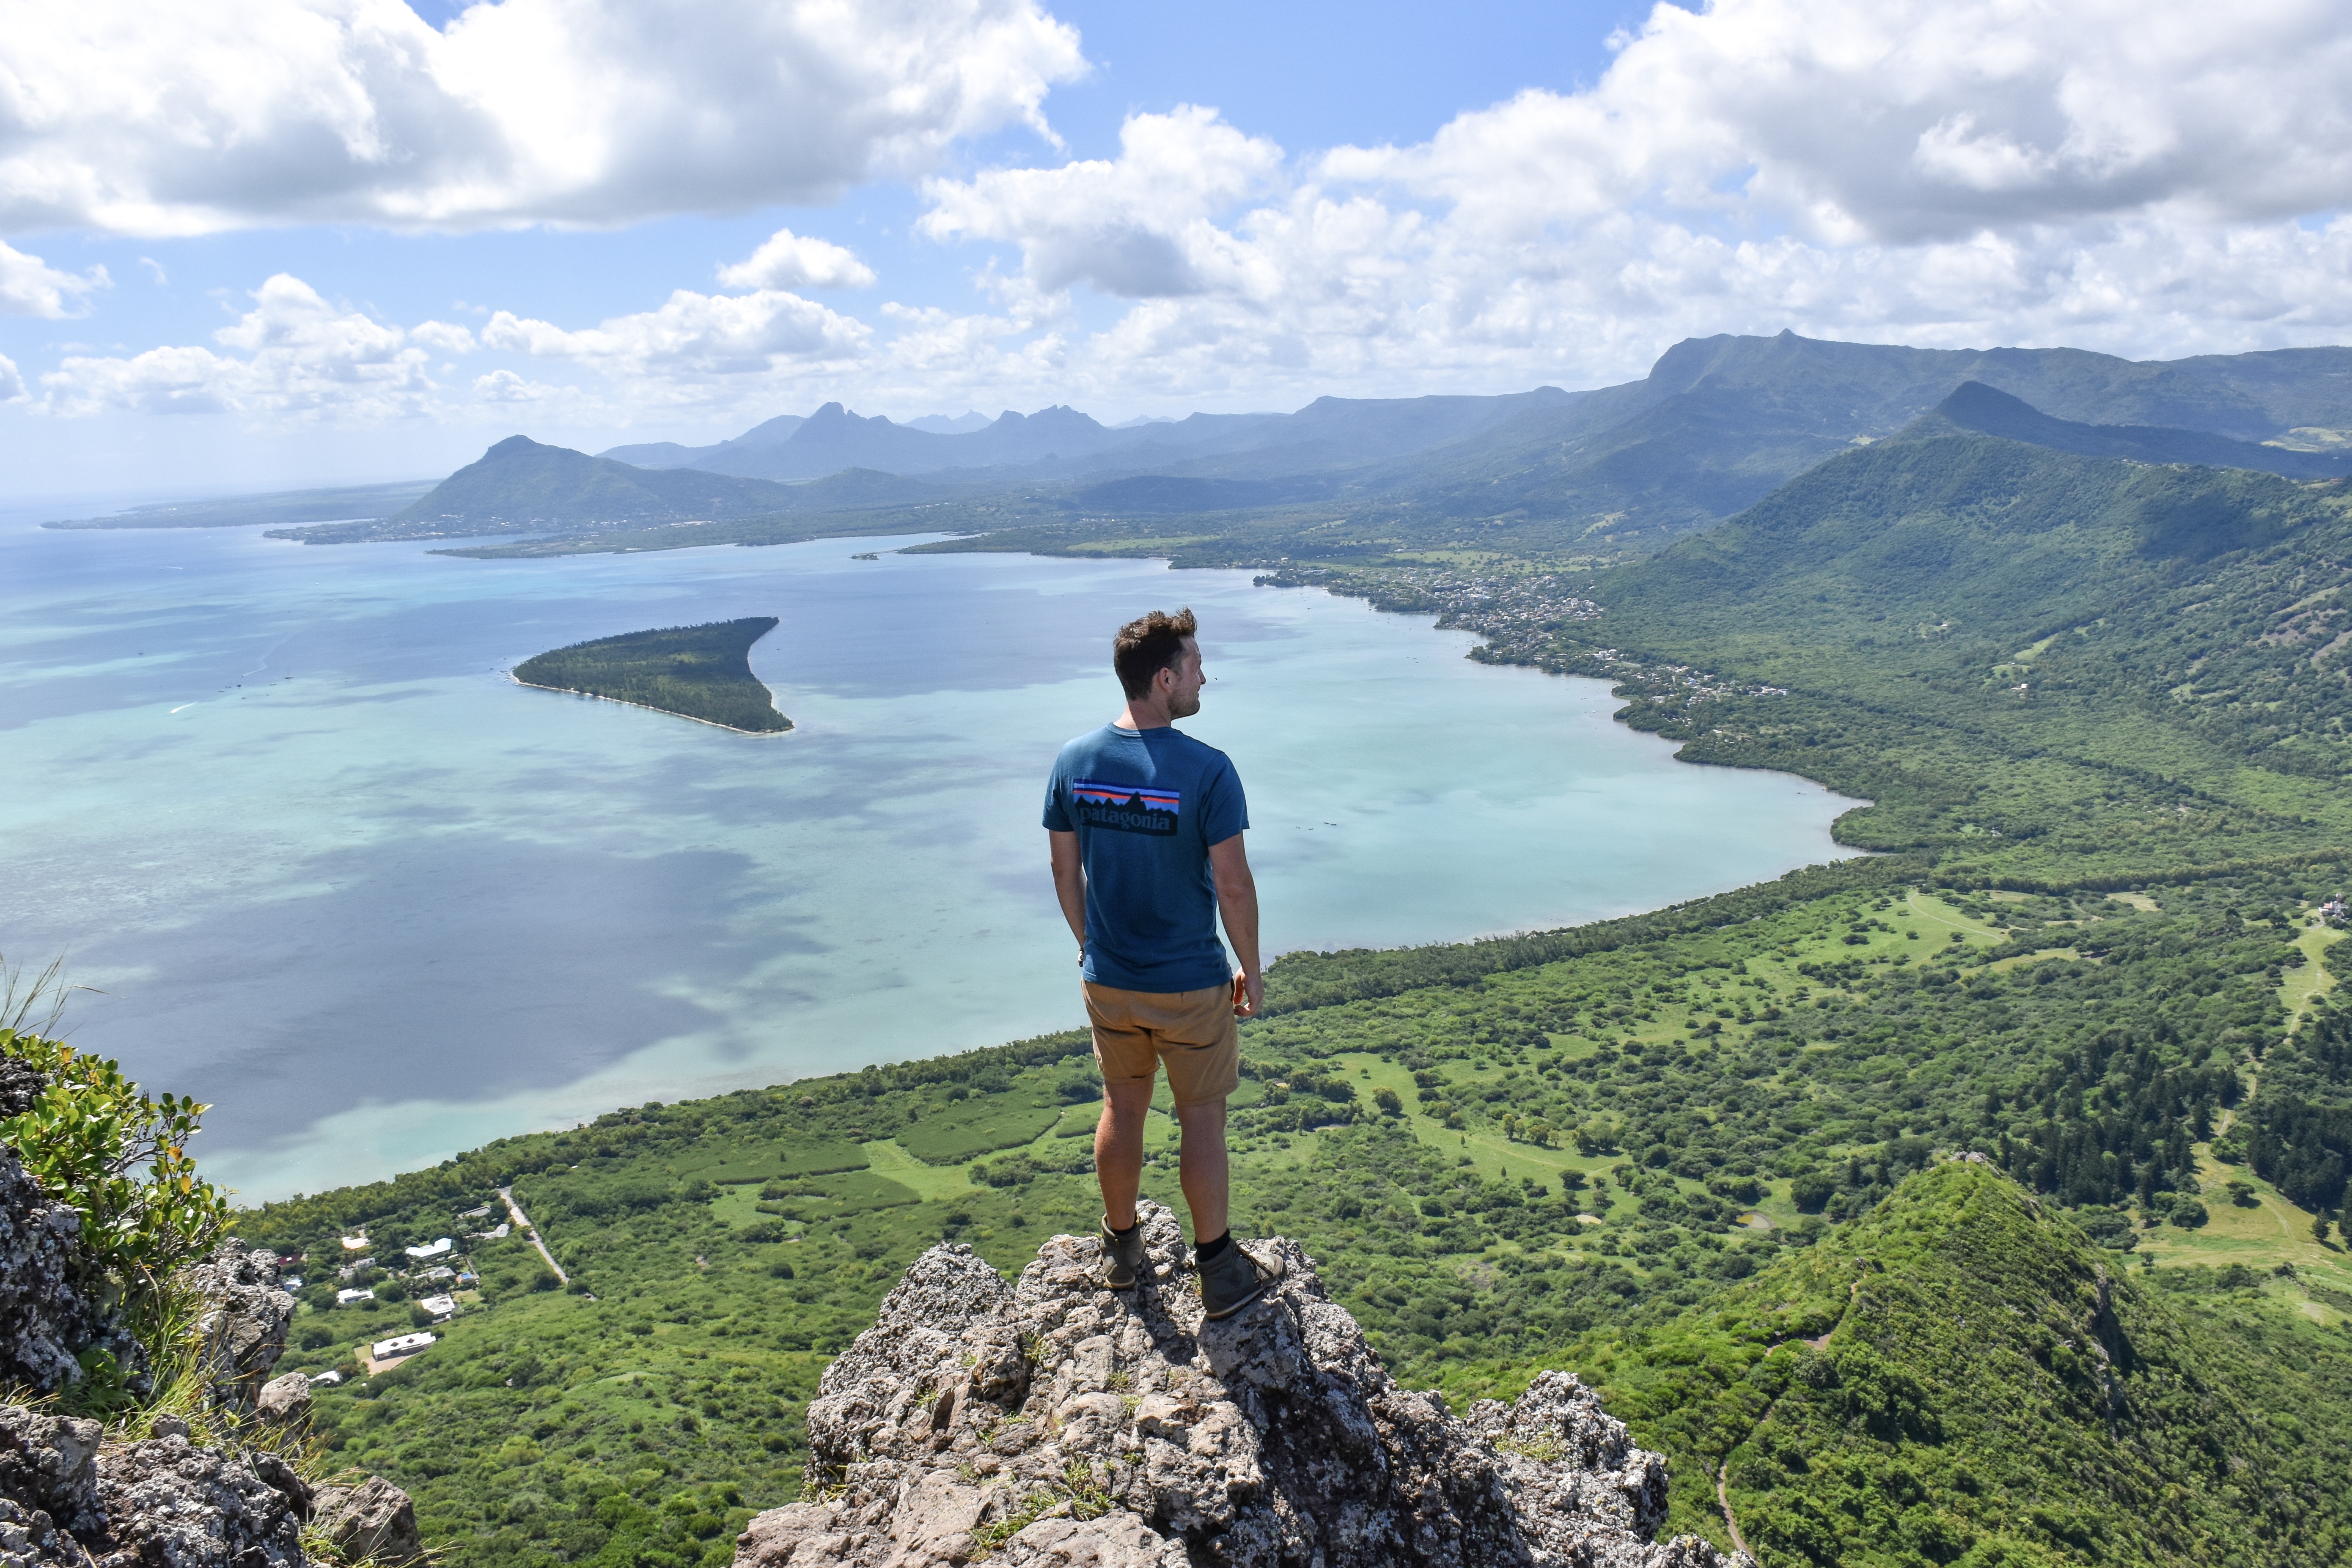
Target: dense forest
pixel 702 672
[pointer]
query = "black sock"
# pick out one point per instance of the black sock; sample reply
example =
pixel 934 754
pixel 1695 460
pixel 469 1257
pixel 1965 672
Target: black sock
pixel 1207 1251
pixel 1123 1235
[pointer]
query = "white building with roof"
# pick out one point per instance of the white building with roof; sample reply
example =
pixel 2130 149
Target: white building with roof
pixel 401 1345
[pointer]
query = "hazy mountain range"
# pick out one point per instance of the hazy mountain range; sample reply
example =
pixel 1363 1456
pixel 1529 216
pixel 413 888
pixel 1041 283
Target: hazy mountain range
pixel 1715 425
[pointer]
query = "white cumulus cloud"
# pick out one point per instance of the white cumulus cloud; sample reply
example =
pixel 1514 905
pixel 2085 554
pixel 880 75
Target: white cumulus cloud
pixel 12 383
pixel 217 114
pixel 1906 120
pixel 694 335
pixel 30 287
pixel 1137 226
pixel 2146 178
pixel 789 261
pixel 299 357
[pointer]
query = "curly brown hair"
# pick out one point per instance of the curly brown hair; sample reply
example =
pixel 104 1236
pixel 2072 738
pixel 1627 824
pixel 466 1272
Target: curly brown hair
pixel 1148 644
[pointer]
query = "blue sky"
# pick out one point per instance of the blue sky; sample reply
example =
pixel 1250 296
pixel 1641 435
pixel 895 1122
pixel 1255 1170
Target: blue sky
pixel 294 241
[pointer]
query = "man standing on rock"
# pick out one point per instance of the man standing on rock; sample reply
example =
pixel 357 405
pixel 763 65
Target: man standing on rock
pixel 1146 825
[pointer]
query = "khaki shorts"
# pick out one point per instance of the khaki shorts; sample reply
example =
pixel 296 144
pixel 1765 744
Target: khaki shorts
pixel 1192 1031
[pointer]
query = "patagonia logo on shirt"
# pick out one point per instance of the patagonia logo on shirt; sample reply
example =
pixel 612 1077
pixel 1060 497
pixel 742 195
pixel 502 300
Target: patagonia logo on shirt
pixel 1126 808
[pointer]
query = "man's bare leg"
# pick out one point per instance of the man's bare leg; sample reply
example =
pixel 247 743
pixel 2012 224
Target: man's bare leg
pixel 1202 1168
pixel 1118 1148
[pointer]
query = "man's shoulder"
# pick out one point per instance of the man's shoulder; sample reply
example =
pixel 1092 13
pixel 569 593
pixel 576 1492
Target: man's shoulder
pixel 1200 753
pixel 1083 745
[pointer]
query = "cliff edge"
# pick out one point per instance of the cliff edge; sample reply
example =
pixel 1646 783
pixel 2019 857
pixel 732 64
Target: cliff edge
pixel 1051 1423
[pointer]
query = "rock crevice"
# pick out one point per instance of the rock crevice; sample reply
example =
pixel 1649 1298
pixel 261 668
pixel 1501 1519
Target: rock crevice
pixel 1053 1422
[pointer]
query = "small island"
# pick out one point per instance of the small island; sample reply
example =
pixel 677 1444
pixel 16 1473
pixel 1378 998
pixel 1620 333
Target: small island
pixel 696 672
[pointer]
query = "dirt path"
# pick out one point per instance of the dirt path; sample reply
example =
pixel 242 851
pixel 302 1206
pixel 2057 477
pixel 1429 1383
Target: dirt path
pixel 1723 1471
pixel 523 1225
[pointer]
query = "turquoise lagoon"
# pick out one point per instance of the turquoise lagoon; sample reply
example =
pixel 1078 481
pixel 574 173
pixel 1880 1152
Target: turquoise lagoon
pixel 326 866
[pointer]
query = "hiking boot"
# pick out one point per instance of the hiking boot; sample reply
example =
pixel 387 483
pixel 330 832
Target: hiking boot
pixel 1122 1259
pixel 1233 1279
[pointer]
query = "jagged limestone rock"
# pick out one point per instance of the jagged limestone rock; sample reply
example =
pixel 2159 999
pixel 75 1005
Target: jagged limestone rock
pixel 30 1539
pixel 45 1321
pixel 162 1503
pixel 243 1320
pixel 47 1466
pixel 285 1401
pixel 1056 1423
pixel 169 1504
pixel 374 1521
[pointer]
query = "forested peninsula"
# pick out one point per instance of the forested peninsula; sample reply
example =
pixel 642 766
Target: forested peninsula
pixel 697 672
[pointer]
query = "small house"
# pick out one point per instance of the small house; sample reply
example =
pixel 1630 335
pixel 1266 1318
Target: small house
pixel 430 1249
pixel 354 1243
pixel 439 1306
pixel 401 1345
pixel 345 1298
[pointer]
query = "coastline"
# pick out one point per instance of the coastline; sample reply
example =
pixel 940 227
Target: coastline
pixel 789 727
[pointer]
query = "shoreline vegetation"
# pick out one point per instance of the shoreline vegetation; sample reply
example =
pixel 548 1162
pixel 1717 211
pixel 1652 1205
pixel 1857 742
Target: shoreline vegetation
pixel 700 672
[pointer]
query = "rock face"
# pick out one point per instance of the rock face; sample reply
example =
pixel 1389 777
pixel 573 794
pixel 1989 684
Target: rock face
pixel 374 1521
pixel 45 1467
pixel 243 1320
pixel 21 1083
pixel 162 1503
pixel 169 1504
pixel 45 1320
pixel 285 1401
pixel 1056 1422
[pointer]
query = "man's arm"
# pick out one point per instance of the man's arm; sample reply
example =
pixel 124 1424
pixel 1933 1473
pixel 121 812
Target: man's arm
pixel 1237 902
pixel 1070 884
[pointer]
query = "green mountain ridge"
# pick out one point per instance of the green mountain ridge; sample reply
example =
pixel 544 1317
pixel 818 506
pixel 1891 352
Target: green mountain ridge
pixel 1961 1375
pixel 1974 406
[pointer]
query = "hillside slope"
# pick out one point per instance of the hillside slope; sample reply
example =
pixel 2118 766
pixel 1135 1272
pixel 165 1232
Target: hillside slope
pixel 1960 1374
pixel 1975 407
pixel 2034 663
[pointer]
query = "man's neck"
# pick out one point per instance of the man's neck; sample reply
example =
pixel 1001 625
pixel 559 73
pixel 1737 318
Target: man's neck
pixel 1140 714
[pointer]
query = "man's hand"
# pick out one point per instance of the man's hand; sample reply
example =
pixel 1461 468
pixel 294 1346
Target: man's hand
pixel 1249 995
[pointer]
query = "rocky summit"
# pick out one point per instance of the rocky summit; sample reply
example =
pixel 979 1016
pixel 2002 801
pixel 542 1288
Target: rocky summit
pixel 1052 1422
pixel 74 1495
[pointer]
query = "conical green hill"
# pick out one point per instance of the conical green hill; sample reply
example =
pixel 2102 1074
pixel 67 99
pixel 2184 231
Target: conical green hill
pixel 1961 1377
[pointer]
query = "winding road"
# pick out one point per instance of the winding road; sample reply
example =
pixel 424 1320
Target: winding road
pixel 523 1224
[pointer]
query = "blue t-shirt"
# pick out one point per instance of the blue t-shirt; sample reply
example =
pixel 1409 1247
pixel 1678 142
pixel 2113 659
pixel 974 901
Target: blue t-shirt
pixel 1146 805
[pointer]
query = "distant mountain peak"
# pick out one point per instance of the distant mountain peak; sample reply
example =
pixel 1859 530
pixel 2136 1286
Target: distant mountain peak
pixel 1977 409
